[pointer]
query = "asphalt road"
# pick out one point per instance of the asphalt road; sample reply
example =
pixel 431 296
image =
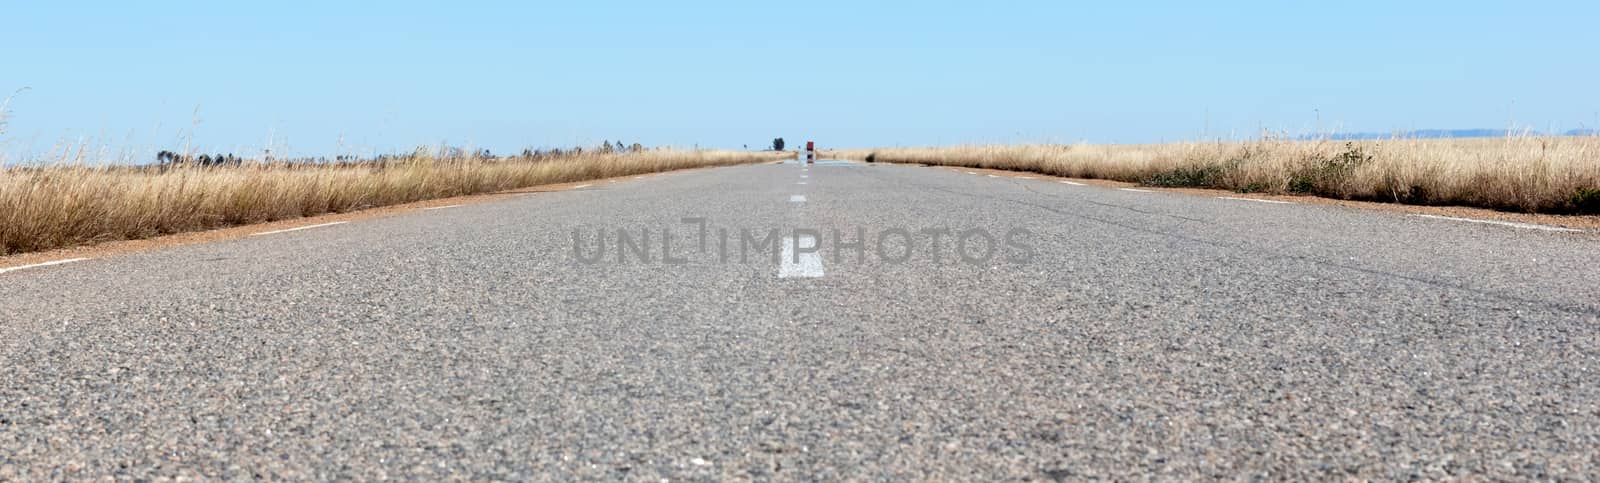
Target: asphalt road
pixel 1104 333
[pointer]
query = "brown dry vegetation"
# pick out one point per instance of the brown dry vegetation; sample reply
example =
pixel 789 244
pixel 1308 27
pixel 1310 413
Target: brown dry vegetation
pixel 1535 174
pixel 59 206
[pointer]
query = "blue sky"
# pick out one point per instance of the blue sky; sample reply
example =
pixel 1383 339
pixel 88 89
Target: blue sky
pixel 321 78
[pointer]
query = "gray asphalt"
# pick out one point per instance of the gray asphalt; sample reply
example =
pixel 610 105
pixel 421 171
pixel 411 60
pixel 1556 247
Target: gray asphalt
pixel 1138 336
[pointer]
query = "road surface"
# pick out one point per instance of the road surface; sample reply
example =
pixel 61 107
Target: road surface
pixel 1103 333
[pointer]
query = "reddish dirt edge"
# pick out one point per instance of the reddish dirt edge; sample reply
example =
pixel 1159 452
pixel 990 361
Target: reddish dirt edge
pixel 113 248
pixel 1587 223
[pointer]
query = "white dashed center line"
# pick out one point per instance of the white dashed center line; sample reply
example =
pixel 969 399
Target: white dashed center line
pixel 1074 183
pixel 797 198
pixel 308 227
pixel 45 264
pixel 1276 202
pixel 800 260
pixel 1527 226
pixel 802 182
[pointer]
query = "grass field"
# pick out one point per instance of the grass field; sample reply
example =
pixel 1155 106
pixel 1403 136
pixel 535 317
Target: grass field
pixel 1536 174
pixel 50 207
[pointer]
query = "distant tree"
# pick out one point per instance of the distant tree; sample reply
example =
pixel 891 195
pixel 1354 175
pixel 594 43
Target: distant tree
pixel 777 144
pixel 636 147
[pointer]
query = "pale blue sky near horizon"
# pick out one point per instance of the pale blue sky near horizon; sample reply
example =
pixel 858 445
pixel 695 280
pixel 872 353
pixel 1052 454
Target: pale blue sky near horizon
pixel 324 78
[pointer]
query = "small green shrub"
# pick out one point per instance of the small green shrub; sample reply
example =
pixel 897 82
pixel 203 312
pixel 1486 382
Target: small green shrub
pixel 1397 191
pixel 1352 157
pixel 1586 201
pixel 1416 195
pixel 1302 184
pixel 1205 176
pixel 1323 177
pixel 1253 187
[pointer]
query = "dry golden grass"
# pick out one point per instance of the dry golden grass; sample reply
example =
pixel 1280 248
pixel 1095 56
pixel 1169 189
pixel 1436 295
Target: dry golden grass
pixel 51 207
pixel 1536 174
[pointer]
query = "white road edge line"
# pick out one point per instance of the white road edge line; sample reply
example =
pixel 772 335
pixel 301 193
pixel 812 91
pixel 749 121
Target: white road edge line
pixel 797 198
pixel 1136 190
pixel 1512 224
pixel 1276 202
pixel 802 182
pixel 803 265
pixel 298 228
pixel 581 186
pixel 1074 183
pixel 969 172
pixel 441 207
pixel 44 264
pixel 993 176
pixel 1024 177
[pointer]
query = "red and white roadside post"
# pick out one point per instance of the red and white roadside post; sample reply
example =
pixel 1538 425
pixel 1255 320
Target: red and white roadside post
pixel 811 152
